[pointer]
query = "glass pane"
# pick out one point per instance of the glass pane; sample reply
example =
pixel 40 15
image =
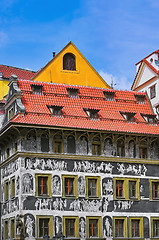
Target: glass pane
pixel 70 227
pixel 155 228
pixel 69 185
pixel 92 187
pixel 93 228
pixel 135 228
pixel 43 227
pixel 119 228
pixel 119 188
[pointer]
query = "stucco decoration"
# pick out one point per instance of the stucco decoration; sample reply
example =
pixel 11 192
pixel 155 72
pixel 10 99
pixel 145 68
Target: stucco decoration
pixel 82 228
pixel 29 224
pixel 135 169
pixel 58 225
pixel 107 227
pixel 83 145
pixel 17 185
pixel 20 225
pixel 107 184
pixel 86 205
pixel 50 204
pixel 45 164
pixel 10 168
pixel 27 183
pixel 56 185
pixel 86 166
pixel 123 205
pixel 81 186
pixel 11 206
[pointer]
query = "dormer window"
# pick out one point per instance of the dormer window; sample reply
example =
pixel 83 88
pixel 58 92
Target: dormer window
pixel 149 118
pixel 109 96
pixel 129 116
pixel 73 93
pixel 56 110
pixel 92 113
pixel 69 62
pixel 140 99
pixel 153 91
pixel 10 113
pixel 37 89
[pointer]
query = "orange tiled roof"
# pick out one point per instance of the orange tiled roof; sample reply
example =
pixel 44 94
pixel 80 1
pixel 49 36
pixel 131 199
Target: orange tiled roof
pixel 20 73
pixel 73 114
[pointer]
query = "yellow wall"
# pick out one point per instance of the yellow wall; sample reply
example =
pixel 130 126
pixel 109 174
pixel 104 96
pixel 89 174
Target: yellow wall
pixel 84 75
pixel 3 88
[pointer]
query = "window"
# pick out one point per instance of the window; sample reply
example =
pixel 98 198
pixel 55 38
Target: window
pixel 109 96
pixel 131 149
pixel 125 188
pixel 73 93
pixel 94 227
pixel 140 99
pixel 37 89
pixel 69 186
pixel 12 228
pixel 55 110
pixel 43 185
pixel 69 62
pixel 155 227
pixel 92 114
pixel 6 235
pixel 8 152
pixel 71 144
pixel 93 187
pixel 58 144
pixel 44 226
pixel 12 187
pixel 10 113
pixel 136 227
pixel 129 116
pixel 96 146
pixel 108 147
pixel 44 143
pixel 6 190
pixel 149 118
pixel 120 148
pixel 120 227
pixel 70 227
pixel 15 147
pixel 154 189
pixel 142 152
pixel 153 91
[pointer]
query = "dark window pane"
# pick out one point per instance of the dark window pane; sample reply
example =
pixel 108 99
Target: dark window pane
pixel 71 146
pixel 132 189
pixel 69 186
pixel 70 227
pixel 42 185
pixel 119 188
pixel 69 62
pixel 43 227
pixel 93 228
pixel 135 228
pixel 44 143
pixel 155 228
pixel 119 228
pixel 155 190
pixel 92 187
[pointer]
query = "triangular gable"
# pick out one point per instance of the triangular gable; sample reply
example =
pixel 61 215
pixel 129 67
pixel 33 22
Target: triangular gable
pixel 84 75
pixel 143 76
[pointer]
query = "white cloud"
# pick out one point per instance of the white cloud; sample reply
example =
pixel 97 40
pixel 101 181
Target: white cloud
pixel 119 82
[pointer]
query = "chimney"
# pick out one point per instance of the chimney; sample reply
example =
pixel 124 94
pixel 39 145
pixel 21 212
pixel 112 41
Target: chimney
pixel 54 53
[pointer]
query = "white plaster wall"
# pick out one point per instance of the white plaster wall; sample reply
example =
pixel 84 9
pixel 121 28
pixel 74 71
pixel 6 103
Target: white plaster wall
pixel 154 57
pixel 147 74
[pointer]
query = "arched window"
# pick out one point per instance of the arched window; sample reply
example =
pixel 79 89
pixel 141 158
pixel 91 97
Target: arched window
pixel 44 143
pixel 71 145
pixel 58 143
pixel 31 141
pixel 154 152
pixel 131 149
pixel 96 146
pixel 108 147
pixel 83 145
pixel 69 62
pixel 120 148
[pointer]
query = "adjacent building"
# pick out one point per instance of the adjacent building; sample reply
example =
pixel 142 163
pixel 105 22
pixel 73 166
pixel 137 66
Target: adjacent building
pixel 77 161
pixel 147 79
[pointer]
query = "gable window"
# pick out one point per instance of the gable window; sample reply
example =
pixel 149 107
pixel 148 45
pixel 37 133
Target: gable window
pixel 92 113
pixel 10 113
pixel 56 110
pixel 69 62
pixel 69 186
pixel 109 96
pixel 140 99
pixel 73 93
pixel 37 89
pixel 43 185
pixel 153 91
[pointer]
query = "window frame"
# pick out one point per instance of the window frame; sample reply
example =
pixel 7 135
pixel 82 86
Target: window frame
pixel 153 91
pixel 37 89
pixel 75 186
pixel 76 225
pixel 6 231
pixel 12 192
pixel 49 193
pixel 98 189
pixel 50 224
pixel 126 188
pixel 140 227
pixel 151 181
pixel 10 113
pixel 58 140
pixel 152 233
pixel 99 219
pixel 12 230
pixel 125 230
pixel 64 68
pixel 6 190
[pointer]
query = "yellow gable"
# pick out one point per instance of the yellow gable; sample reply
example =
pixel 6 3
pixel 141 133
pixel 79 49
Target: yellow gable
pixel 83 73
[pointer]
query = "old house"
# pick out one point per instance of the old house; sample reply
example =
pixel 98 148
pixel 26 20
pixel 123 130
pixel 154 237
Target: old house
pixel 78 161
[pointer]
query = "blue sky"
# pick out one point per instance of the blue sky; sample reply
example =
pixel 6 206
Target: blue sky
pixel 112 35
